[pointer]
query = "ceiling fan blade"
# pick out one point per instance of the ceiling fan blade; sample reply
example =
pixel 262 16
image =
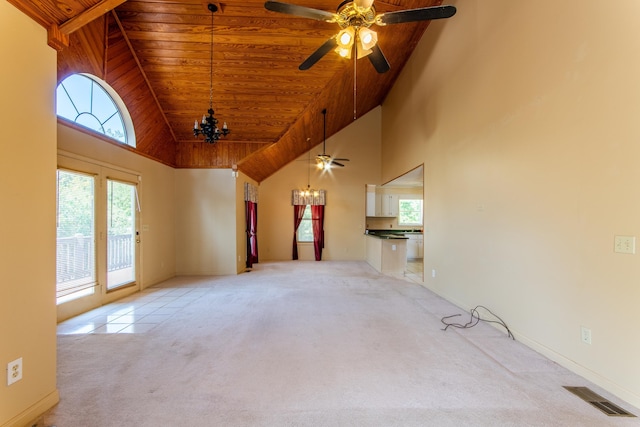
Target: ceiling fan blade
pixel 337 164
pixel 412 15
pixel 303 11
pixel 378 60
pixel 341 159
pixel 327 47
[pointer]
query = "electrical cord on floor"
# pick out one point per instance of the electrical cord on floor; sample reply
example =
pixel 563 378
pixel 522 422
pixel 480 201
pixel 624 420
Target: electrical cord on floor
pixel 475 319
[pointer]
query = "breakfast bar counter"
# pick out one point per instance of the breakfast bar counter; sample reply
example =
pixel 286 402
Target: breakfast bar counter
pixel 387 253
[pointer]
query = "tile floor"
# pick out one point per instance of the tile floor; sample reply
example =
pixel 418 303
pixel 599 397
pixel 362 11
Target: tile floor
pixel 413 270
pixel 143 311
pixel 138 313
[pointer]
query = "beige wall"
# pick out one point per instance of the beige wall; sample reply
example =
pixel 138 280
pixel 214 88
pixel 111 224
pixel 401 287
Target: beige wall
pixel 188 216
pixel 206 222
pixel 345 209
pixel 27 217
pixel 525 114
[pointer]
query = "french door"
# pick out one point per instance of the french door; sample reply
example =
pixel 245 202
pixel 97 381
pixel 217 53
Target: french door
pixel 121 233
pixel 97 235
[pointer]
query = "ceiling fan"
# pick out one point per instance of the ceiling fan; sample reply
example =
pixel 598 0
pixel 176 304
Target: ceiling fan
pixel 324 161
pixel 354 18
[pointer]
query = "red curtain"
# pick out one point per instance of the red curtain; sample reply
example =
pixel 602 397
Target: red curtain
pixel 298 212
pixel 317 221
pixel 252 232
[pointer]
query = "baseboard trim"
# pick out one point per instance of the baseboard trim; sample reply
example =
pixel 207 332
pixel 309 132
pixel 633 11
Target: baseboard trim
pixel 615 389
pixel 35 411
pixel 594 377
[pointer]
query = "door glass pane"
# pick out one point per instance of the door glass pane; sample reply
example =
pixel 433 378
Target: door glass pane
pixel 121 203
pixel 75 243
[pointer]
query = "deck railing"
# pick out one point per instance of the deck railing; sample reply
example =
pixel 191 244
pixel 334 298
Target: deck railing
pixel 76 256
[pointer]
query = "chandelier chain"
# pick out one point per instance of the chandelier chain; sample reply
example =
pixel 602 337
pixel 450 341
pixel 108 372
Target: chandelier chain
pixel 208 127
pixel 211 66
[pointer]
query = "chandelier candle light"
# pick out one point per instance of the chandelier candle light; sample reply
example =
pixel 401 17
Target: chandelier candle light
pixel 209 125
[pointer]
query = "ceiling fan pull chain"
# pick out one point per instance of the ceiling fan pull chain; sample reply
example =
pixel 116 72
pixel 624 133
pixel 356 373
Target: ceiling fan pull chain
pixel 355 97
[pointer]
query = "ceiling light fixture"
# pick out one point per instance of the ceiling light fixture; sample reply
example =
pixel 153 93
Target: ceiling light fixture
pixel 208 127
pixel 362 38
pixel 355 20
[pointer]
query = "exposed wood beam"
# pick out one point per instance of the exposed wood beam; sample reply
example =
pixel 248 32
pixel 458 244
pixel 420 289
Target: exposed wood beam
pixel 58 36
pixel 89 15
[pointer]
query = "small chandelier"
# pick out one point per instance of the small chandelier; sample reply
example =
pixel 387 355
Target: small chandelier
pixel 208 127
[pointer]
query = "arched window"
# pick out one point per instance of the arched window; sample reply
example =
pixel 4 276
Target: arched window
pixel 90 102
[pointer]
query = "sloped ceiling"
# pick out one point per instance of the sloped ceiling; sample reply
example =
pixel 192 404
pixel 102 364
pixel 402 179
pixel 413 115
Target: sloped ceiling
pixel 156 54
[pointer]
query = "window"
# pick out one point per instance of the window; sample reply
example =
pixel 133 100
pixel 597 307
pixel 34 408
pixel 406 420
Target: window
pixel 93 104
pixel 305 230
pixel 410 212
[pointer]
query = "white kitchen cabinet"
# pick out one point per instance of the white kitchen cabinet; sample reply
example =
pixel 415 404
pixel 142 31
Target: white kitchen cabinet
pixel 415 246
pixel 380 204
pixel 389 204
pixel 371 201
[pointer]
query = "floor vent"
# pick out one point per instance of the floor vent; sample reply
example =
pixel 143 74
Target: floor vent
pixel 606 406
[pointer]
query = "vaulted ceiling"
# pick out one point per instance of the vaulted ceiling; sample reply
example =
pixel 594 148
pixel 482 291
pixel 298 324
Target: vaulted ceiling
pixel 156 55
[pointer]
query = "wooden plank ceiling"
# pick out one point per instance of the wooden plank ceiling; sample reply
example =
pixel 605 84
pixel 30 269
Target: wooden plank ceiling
pixel 156 54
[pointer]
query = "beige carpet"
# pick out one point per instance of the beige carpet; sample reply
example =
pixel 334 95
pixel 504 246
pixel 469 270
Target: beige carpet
pixel 313 344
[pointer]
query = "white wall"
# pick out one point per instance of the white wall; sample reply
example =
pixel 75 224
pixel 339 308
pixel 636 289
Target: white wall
pixel 206 229
pixel 525 114
pixel 27 217
pixel 345 209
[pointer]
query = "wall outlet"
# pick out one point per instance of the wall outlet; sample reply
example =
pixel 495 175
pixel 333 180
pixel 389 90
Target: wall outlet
pixel 585 335
pixel 433 273
pixel 14 371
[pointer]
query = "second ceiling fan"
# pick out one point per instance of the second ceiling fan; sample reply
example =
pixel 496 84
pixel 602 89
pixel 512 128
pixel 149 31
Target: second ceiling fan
pixel 325 161
pixel 354 18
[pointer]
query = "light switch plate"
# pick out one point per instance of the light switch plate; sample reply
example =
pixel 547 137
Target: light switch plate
pixel 625 244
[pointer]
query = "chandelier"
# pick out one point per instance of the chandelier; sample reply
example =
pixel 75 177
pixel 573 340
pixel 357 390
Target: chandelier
pixel 208 127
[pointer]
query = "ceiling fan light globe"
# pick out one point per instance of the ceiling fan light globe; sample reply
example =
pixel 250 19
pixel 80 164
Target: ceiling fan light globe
pixel 362 5
pixel 343 52
pixel 364 52
pixel 345 37
pixel 368 38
